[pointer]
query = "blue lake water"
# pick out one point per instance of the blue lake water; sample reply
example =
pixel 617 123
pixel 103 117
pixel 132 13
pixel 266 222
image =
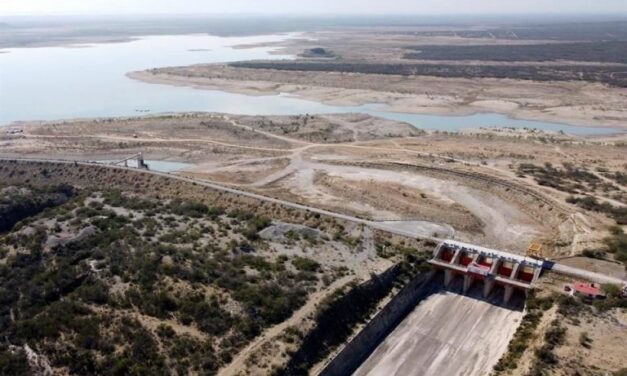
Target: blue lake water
pixel 49 83
pixel 167 166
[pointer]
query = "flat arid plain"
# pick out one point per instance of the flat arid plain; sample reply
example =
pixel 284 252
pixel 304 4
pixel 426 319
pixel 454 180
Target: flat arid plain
pixel 386 66
pixel 347 207
pixel 472 185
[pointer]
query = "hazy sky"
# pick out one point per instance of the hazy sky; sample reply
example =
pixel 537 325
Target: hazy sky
pixel 39 7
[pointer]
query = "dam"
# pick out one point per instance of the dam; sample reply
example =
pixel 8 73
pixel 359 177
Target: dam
pixel 488 266
pixel 461 322
pixel 448 334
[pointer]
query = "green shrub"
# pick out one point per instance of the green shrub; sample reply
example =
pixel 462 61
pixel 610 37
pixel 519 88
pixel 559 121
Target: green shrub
pixel 254 225
pixel 13 362
pixel 585 340
pixel 619 214
pixel 570 307
pixel 95 292
pixel 115 198
pixel 188 208
pixel 617 244
pixel 595 254
pixel 545 358
pixel 305 264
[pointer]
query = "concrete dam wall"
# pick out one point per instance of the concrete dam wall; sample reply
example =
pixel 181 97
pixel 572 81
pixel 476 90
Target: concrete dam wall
pixel 358 350
pixel 428 329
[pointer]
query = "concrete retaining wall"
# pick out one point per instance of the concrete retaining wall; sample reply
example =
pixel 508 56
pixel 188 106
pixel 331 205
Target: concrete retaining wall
pixel 357 351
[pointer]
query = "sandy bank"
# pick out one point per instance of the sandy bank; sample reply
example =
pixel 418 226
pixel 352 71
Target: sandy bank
pixel 573 103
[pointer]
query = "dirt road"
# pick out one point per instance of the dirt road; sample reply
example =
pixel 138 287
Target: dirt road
pixel 417 232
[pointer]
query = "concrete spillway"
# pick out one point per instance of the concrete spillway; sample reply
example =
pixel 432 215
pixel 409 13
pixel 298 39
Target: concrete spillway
pixel 448 334
pixel 456 320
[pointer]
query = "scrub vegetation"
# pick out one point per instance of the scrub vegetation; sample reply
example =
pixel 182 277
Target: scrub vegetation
pixel 551 336
pixel 524 334
pixel 584 186
pixel 111 283
pixel 338 314
pixel 564 72
pixel 605 52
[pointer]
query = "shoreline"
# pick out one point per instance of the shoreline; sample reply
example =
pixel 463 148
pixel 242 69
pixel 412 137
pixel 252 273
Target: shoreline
pixel 390 101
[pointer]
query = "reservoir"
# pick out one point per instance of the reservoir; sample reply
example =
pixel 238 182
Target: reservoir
pixel 80 81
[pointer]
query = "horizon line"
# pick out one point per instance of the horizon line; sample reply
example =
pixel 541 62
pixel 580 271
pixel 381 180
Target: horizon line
pixel 322 14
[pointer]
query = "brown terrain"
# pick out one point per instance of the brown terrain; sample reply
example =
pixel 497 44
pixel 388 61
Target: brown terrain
pixel 586 340
pixel 569 101
pixel 467 185
pixel 498 187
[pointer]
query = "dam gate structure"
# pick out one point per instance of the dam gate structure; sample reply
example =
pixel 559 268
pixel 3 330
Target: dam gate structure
pixel 490 266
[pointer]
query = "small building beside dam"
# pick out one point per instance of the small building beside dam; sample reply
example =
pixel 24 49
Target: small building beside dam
pixel 487 266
